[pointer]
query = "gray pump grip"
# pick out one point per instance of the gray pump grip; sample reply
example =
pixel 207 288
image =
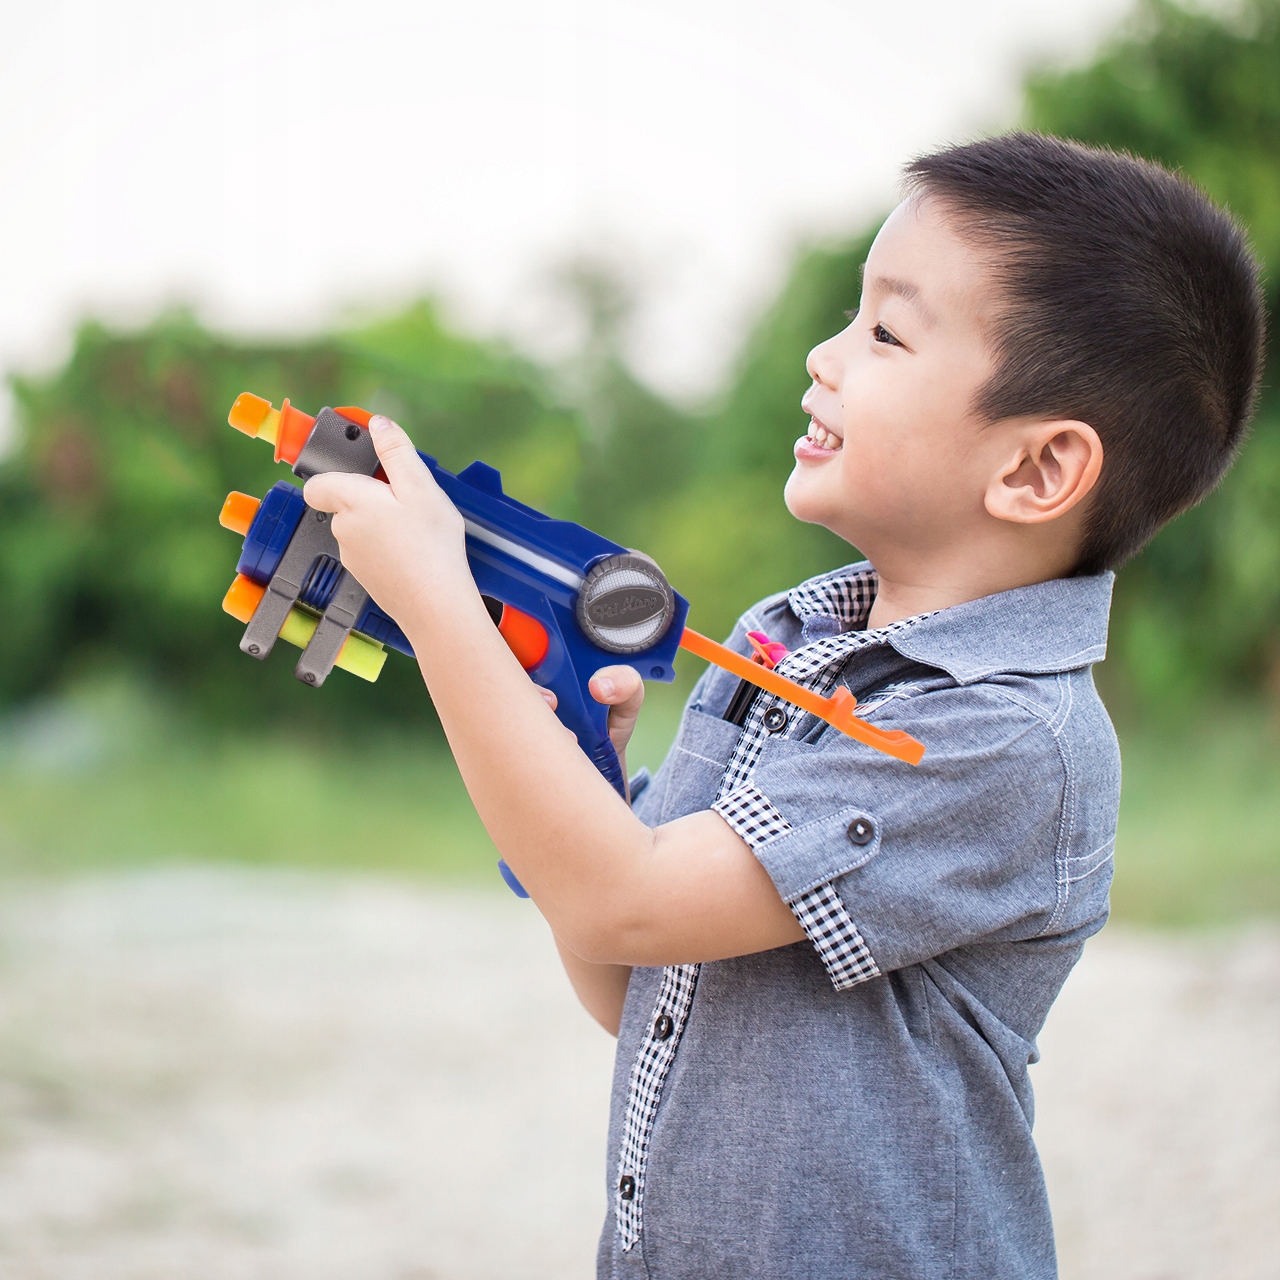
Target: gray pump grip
pixel 336 444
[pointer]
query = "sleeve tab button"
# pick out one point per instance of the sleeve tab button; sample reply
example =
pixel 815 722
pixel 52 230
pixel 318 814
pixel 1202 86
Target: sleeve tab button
pixel 861 831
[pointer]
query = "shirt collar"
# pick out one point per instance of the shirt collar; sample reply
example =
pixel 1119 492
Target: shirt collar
pixel 1059 625
pixel 841 600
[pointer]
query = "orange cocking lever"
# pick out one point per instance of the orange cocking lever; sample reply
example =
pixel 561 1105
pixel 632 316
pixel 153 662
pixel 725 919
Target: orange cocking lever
pixel 836 710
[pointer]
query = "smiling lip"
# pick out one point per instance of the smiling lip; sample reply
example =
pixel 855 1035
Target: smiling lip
pixel 819 443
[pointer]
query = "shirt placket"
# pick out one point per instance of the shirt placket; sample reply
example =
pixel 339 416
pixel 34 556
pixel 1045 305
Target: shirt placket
pixel 815 667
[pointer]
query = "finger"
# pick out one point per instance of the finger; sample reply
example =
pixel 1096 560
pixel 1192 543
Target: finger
pixel 338 490
pixel 619 687
pixel 550 698
pixel 405 470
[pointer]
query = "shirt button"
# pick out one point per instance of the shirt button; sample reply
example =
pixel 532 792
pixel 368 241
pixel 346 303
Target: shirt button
pixel 861 831
pixel 627 1188
pixel 663 1027
pixel 775 720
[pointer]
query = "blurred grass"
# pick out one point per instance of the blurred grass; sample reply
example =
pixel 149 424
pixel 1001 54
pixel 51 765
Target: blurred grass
pixel 1199 839
pixel 104 779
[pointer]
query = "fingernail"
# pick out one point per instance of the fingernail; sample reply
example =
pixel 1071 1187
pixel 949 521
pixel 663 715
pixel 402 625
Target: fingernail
pixel 606 686
pixel 380 422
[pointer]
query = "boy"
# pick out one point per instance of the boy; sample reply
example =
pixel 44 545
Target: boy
pixel 827 969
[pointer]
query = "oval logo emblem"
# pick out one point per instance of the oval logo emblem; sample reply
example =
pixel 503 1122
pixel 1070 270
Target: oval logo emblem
pixel 626 606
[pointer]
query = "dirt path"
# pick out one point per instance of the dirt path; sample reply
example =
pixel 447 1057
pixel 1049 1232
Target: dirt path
pixel 218 1074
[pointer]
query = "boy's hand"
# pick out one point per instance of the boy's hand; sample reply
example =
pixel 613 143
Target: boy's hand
pixel 622 691
pixel 404 540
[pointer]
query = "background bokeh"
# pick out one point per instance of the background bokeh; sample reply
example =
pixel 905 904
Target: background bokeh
pixel 135 734
pixel 112 567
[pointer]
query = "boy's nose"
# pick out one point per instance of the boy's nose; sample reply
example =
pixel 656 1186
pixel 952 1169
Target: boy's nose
pixel 823 365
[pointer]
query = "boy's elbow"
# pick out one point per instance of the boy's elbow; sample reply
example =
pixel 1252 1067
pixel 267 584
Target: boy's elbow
pixel 626 925
pixel 611 937
pixel 623 919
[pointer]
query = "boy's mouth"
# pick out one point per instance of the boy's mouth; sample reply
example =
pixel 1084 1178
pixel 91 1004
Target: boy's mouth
pixel 824 438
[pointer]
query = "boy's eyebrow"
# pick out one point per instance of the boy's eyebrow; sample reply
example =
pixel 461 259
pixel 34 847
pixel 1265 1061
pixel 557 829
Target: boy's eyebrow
pixel 905 290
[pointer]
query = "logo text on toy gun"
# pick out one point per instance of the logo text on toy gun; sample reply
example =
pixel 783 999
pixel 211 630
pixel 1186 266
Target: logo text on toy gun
pixel 625 604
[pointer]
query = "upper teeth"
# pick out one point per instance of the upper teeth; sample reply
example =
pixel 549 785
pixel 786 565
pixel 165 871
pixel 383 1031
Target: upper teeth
pixel 823 438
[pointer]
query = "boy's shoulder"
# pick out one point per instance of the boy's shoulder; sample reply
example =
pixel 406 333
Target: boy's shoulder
pixel 1018 648
pixel 1020 777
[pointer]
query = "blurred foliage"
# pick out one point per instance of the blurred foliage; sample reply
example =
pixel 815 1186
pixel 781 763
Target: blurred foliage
pixel 726 538
pixel 1198 91
pixel 110 548
pixel 1199 610
pixel 110 552
pixel 111 776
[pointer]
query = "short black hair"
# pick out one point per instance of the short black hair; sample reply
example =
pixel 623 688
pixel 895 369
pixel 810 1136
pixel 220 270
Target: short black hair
pixel 1133 303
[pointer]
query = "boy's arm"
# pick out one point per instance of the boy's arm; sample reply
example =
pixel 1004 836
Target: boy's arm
pixel 601 988
pixel 613 890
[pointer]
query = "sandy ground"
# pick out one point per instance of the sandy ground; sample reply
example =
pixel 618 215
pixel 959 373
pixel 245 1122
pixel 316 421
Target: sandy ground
pixel 215 1074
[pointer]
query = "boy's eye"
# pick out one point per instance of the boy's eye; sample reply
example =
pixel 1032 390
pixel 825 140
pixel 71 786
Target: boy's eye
pixel 881 334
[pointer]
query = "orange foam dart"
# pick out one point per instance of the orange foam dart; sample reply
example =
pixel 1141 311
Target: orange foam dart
pixel 286 427
pixel 238 511
pixel 836 710
pixel 243 598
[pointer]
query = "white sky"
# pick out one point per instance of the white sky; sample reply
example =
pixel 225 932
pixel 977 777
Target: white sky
pixel 278 164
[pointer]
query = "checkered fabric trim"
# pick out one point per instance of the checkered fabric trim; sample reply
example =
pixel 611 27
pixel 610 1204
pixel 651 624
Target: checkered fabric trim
pixel 847 598
pixel 841 595
pixel 820 912
pixel 816 666
pixel 752 815
pixel 831 930
pixel 648 1073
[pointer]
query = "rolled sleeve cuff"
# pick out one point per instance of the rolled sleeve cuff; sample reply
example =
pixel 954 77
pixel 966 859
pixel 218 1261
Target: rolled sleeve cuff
pixel 820 912
pixel 839 942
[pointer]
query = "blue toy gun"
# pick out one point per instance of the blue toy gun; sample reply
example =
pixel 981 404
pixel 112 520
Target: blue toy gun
pixel 566 600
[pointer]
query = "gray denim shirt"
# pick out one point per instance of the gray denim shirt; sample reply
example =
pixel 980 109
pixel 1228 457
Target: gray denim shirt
pixel 858 1105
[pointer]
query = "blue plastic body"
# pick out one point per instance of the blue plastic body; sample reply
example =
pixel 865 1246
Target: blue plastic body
pixel 566 550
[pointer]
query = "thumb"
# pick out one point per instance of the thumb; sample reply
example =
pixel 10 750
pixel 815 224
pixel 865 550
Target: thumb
pixel 405 470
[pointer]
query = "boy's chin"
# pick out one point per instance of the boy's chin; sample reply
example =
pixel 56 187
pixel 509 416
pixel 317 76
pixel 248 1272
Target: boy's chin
pixel 805 498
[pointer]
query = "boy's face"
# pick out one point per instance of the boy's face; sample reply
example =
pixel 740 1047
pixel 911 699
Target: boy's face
pixel 895 460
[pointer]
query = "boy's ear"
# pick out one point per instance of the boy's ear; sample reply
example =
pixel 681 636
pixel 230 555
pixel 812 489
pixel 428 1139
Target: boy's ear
pixel 1053 467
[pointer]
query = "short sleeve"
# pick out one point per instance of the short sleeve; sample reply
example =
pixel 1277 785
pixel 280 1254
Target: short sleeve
pixel 885 864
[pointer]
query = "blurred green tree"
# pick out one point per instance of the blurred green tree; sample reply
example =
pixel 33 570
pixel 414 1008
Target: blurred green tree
pixel 726 538
pixel 110 550
pixel 1198 91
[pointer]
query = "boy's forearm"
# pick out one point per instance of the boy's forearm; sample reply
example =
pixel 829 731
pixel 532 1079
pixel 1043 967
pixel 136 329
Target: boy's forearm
pixel 563 829
pixel 601 988
pixel 613 890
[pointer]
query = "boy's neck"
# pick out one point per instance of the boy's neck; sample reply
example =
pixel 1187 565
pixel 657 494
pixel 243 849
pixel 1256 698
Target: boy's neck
pixel 909 587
